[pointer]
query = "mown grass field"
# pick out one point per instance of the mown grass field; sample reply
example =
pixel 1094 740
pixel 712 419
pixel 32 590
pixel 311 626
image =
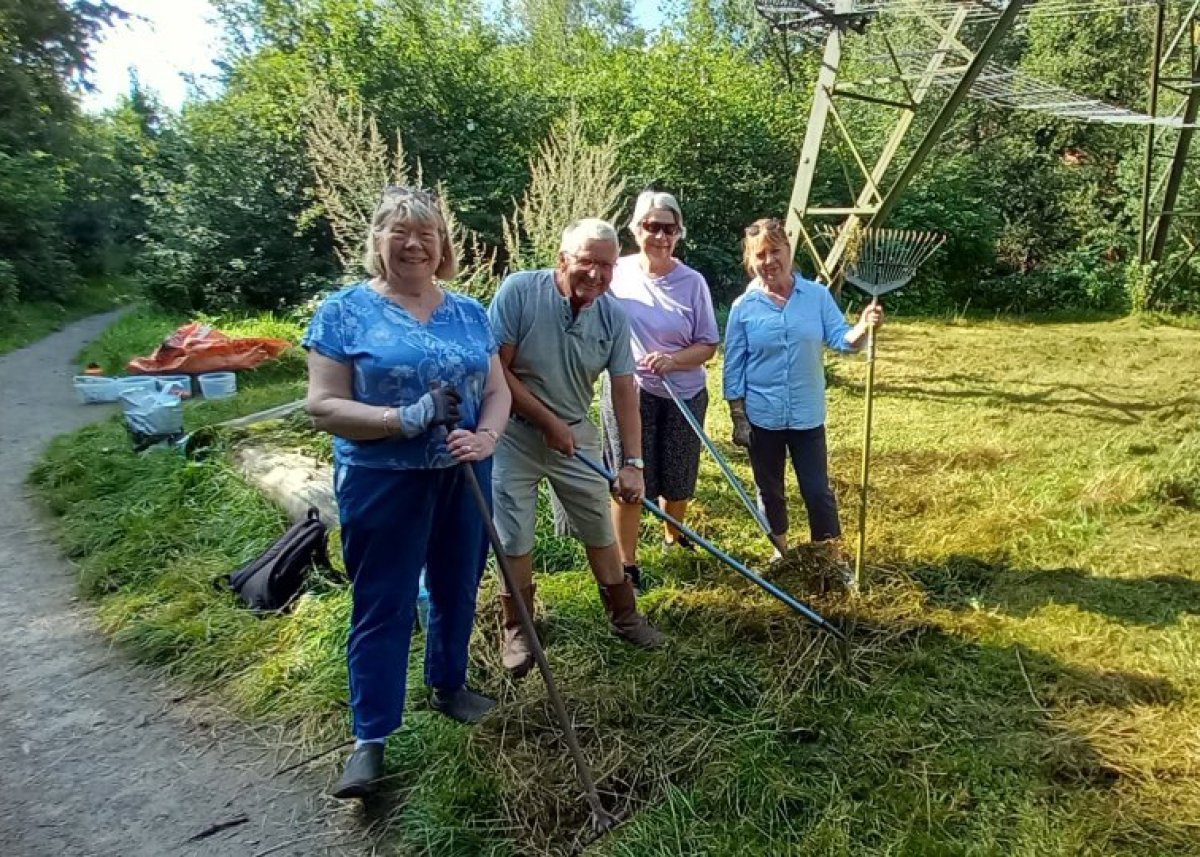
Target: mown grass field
pixel 1023 678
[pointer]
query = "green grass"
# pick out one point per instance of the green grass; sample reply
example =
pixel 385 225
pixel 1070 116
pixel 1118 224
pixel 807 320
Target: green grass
pixel 1023 675
pixel 23 323
pixel 138 333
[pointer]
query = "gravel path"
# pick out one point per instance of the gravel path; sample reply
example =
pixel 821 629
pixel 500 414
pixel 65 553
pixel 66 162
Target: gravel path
pixel 96 757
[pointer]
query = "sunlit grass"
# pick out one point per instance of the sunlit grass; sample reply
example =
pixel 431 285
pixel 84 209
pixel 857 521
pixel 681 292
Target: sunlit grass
pixel 1022 680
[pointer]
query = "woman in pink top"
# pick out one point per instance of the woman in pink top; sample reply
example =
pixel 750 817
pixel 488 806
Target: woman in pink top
pixel 674 334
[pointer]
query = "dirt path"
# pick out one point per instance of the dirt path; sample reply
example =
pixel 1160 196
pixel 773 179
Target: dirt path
pixel 96 758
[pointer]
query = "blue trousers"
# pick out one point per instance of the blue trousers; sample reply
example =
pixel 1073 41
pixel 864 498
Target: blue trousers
pixel 769 451
pixel 394 522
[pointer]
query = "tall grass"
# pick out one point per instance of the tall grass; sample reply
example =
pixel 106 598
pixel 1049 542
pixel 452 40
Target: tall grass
pixel 1022 678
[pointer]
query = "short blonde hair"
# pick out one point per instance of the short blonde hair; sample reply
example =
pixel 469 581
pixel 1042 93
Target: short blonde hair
pixel 766 231
pixel 653 200
pixel 408 205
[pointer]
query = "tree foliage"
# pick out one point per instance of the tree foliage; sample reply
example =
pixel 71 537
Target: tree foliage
pixel 570 179
pixel 221 208
pixel 52 228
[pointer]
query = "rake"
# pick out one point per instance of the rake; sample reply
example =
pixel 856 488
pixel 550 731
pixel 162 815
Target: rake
pixel 602 821
pixel 879 261
pixel 730 476
pixel 767 586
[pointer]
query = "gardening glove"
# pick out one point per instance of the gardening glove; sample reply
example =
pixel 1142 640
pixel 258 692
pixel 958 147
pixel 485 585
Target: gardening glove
pixel 446 400
pixel 741 425
pixel 438 407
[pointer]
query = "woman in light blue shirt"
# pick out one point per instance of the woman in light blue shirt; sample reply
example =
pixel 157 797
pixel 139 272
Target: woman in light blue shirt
pixel 774 379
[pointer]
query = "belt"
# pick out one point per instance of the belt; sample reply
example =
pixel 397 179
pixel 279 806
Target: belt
pixel 523 420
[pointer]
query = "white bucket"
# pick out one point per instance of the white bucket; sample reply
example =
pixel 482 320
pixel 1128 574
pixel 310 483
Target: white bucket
pixel 180 385
pixel 218 385
pixel 138 384
pixel 95 389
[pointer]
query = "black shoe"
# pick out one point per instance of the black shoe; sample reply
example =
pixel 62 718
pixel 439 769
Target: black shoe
pixel 680 541
pixel 363 770
pixel 463 705
pixel 635 575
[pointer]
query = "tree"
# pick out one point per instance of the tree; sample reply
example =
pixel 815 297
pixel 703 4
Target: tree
pixel 44 58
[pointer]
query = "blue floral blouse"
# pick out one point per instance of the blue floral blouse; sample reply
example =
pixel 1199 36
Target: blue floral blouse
pixel 396 359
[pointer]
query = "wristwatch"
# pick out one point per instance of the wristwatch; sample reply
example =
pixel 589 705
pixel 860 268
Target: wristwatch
pixel 635 462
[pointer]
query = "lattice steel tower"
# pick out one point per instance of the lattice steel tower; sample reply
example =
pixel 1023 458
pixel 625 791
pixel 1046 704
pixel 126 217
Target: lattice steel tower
pixel 948 58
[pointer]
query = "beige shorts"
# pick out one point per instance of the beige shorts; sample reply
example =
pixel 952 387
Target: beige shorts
pixel 522 461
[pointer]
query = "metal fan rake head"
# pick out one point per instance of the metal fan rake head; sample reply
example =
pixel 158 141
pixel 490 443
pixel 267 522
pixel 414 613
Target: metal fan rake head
pixel 879 261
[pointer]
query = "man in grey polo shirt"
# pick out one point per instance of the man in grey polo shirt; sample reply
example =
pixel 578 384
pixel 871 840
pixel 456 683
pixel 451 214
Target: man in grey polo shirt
pixel 558 330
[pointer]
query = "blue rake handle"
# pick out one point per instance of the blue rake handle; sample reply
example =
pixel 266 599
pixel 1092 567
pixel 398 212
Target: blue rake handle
pixel 730 476
pixel 784 596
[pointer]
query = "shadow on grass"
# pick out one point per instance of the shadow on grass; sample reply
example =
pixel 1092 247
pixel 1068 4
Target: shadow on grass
pixel 1066 399
pixel 750 734
pixel 965 582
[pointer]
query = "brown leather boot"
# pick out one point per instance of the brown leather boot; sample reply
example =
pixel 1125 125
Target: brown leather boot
pixel 515 651
pixel 627 623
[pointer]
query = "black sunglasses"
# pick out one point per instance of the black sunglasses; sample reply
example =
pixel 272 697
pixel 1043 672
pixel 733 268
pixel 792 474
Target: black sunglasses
pixel 772 225
pixel 656 228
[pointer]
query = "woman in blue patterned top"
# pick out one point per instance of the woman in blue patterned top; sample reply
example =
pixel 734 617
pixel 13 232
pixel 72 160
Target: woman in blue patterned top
pixel 393 363
pixel 775 382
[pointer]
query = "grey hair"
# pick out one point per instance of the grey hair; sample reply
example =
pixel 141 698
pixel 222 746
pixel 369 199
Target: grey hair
pixel 408 207
pixel 588 229
pixel 650 200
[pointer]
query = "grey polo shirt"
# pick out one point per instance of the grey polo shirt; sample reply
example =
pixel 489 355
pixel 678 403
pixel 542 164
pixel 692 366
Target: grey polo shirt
pixel 559 356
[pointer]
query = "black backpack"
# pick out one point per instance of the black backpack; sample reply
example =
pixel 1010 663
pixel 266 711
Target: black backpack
pixel 272 581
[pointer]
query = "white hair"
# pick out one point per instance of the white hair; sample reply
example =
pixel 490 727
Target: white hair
pixel 653 200
pixel 587 229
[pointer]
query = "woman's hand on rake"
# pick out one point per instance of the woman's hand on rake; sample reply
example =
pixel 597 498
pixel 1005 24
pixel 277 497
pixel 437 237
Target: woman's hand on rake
pixel 658 362
pixel 470 446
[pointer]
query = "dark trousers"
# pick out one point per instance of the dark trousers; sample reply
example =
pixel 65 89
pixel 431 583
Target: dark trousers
pixel 670 448
pixel 394 522
pixel 810 460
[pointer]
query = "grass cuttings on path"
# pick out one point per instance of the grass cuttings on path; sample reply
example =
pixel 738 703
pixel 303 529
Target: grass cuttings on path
pixel 1023 680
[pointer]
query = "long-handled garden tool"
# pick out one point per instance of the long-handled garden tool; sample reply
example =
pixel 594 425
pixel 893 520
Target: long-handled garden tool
pixel 879 261
pixel 602 820
pixel 758 580
pixel 730 476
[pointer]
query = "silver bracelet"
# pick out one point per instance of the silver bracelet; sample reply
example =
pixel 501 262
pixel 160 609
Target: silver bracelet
pixel 387 429
pixel 495 435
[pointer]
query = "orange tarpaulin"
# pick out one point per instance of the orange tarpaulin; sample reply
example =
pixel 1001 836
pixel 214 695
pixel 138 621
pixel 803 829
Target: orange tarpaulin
pixel 197 348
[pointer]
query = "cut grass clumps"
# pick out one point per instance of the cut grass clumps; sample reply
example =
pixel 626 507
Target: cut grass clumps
pixel 1179 485
pixel 1021 678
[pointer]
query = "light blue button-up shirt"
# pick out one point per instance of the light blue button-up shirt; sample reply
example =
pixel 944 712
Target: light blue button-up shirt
pixel 773 354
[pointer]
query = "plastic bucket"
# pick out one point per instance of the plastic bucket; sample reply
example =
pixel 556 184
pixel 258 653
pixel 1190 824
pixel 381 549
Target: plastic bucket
pixel 218 385
pixel 94 389
pixel 138 384
pixel 180 385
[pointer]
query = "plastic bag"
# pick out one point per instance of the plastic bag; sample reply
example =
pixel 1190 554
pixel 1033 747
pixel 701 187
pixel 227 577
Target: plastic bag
pixel 153 414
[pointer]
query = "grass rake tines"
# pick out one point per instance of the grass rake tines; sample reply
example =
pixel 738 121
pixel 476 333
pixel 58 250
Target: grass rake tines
pixel 786 597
